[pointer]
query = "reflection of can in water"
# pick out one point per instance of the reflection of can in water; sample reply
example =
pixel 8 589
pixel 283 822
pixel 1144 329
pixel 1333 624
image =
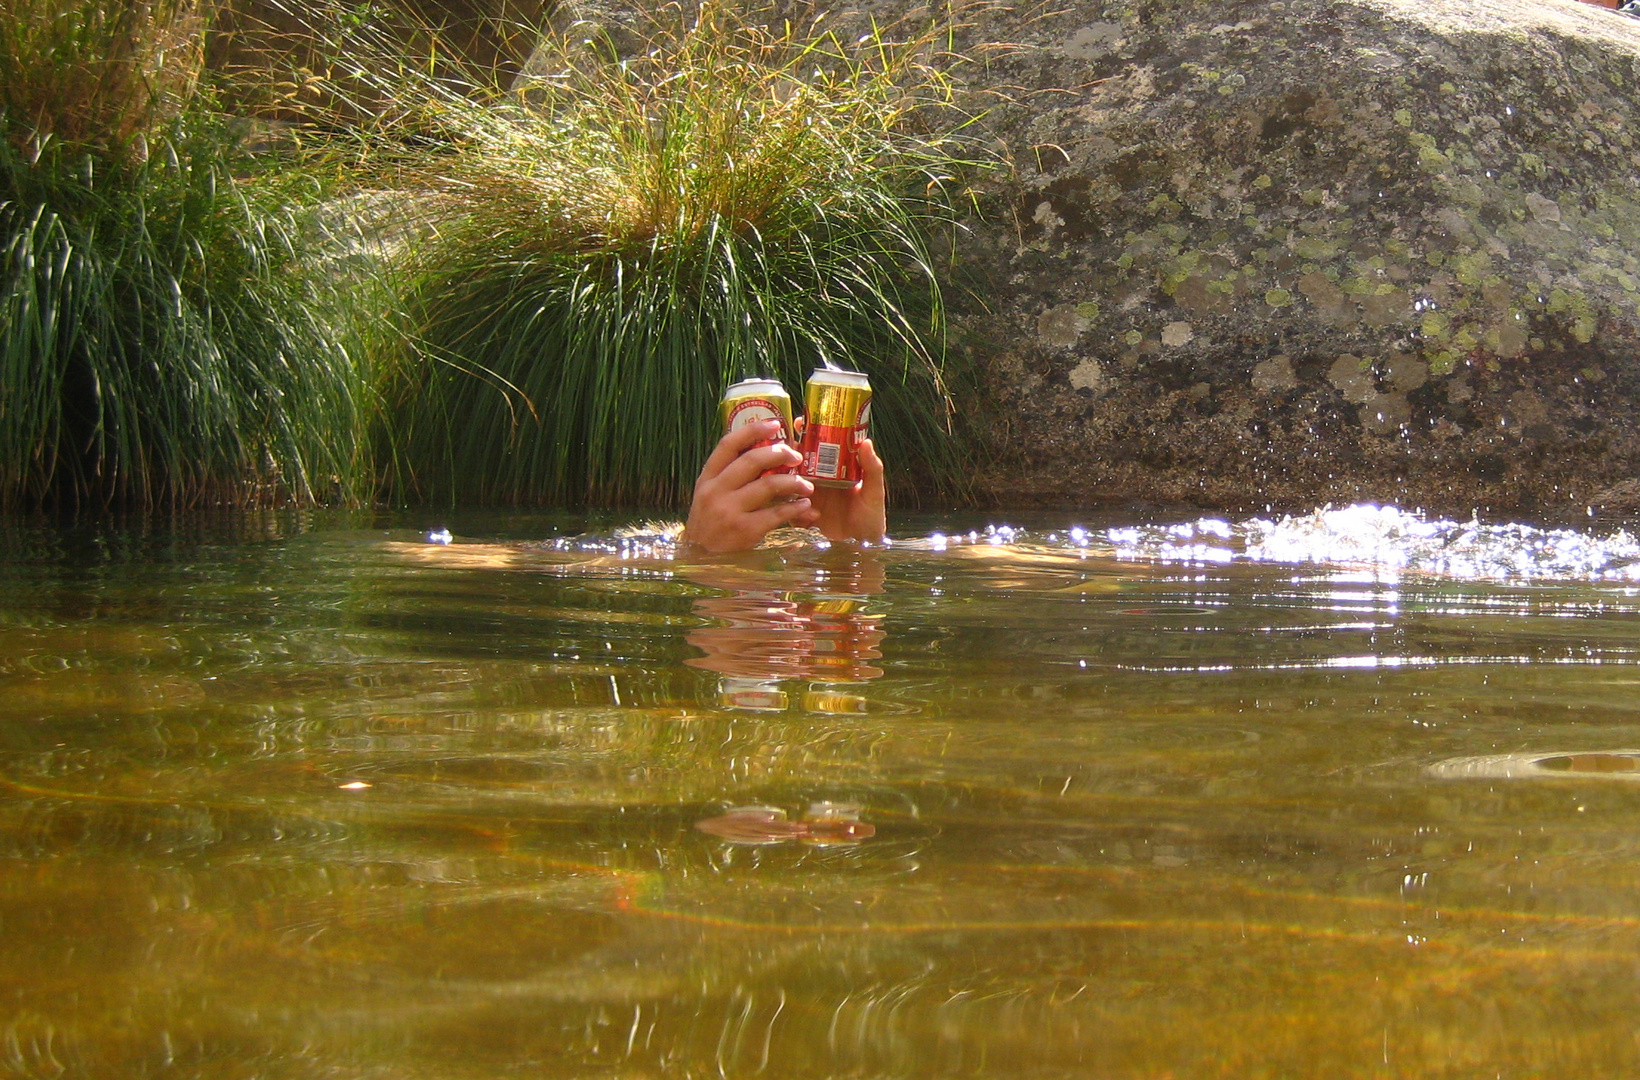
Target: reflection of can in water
pixel 837 415
pixel 826 699
pixel 751 400
pixel 760 695
pixel 830 605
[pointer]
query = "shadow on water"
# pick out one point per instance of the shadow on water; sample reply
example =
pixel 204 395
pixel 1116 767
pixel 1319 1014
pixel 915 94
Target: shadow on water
pixel 1343 795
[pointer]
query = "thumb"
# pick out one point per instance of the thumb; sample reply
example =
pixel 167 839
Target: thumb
pixel 871 466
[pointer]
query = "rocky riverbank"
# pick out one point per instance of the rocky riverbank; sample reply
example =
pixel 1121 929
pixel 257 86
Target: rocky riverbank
pixel 1279 254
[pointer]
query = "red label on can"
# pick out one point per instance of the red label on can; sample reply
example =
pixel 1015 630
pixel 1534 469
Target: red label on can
pixel 828 452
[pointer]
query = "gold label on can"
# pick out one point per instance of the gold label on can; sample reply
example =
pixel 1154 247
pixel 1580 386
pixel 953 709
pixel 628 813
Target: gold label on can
pixel 751 400
pixel 832 605
pixel 837 415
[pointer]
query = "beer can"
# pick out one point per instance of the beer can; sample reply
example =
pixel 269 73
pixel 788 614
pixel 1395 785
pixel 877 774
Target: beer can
pixel 837 409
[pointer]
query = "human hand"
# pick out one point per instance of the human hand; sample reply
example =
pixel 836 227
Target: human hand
pixel 856 513
pixel 734 504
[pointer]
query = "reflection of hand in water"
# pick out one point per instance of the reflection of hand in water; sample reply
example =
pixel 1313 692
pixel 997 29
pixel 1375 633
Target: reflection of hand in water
pixel 792 626
pixel 765 636
pixel 825 823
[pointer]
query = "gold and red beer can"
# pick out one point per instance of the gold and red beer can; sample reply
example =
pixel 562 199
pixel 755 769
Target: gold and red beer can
pixel 751 400
pixel 837 416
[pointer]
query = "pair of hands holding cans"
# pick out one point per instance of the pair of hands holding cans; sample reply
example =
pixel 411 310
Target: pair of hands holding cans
pixel 738 501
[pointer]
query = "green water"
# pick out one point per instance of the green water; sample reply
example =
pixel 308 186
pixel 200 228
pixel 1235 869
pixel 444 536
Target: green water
pixel 300 799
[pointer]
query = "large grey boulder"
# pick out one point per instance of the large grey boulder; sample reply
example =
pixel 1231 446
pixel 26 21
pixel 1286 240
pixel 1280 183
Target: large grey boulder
pixel 1276 254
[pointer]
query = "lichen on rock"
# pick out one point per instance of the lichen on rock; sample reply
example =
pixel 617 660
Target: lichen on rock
pixel 1240 195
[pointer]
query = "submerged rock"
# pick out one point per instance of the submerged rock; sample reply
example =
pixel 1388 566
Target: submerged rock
pixel 1263 253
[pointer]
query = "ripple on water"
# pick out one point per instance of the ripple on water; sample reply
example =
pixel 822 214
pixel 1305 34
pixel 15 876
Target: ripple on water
pixel 1592 764
pixel 1023 803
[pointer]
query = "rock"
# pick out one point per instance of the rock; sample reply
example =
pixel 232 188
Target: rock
pixel 1088 375
pixel 1177 334
pixel 1311 251
pixel 1622 498
pixel 1275 374
pixel 579 30
pixel 1059 327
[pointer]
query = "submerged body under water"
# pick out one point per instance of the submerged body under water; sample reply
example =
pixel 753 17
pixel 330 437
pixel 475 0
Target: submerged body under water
pixel 1345 795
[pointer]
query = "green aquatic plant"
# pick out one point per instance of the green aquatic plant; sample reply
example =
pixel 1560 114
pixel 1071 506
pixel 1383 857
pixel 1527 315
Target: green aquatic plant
pixel 614 238
pixel 165 337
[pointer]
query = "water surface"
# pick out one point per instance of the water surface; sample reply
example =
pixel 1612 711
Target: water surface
pixel 1344 796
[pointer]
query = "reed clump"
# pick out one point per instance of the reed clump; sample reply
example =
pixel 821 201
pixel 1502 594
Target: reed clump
pixel 164 339
pixel 614 238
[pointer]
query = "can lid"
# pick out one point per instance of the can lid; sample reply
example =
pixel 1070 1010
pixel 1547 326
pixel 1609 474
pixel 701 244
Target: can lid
pixel 839 377
pixel 755 385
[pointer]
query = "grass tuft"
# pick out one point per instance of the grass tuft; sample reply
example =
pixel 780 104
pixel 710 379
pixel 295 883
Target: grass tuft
pixel 95 73
pixel 164 338
pixel 615 239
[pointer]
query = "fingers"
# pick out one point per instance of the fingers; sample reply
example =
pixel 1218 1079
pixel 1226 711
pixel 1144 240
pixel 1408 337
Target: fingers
pixel 777 514
pixel 870 471
pixel 872 523
pixel 736 443
pixel 753 463
pixel 873 494
pixel 734 504
pixel 767 489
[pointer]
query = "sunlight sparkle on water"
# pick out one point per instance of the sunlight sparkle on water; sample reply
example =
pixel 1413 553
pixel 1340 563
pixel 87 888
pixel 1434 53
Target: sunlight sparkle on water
pixel 1385 542
pixel 1367 542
